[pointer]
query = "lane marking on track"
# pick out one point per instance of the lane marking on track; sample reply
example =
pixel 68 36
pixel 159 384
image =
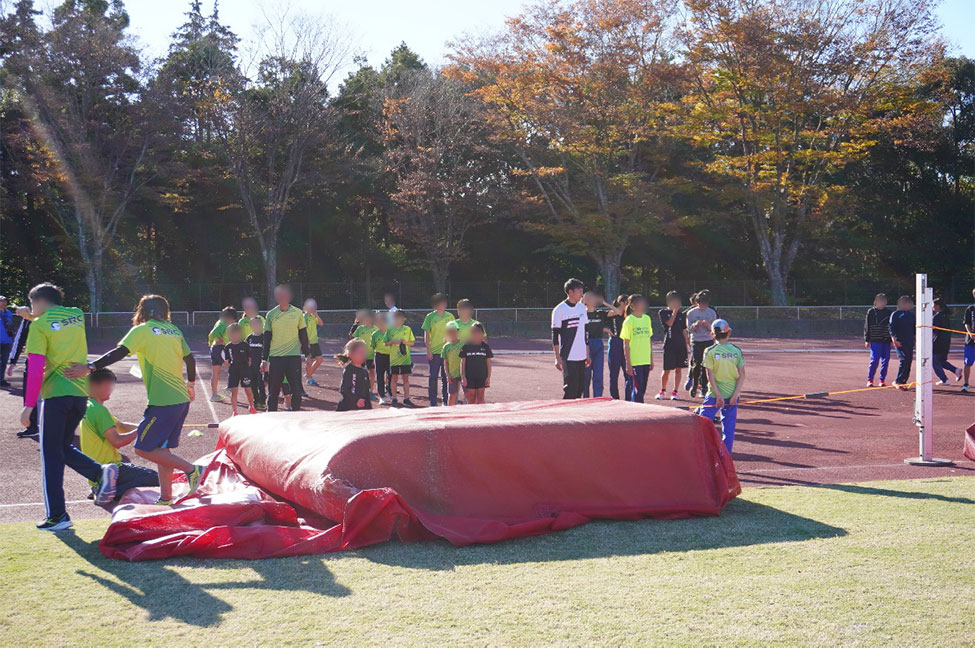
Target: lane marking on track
pixel 856 467
pixel 206 396
pixel 42 503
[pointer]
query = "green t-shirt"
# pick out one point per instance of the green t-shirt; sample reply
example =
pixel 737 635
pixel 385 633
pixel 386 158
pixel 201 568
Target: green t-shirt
pixel 160 347
pixel 59 336
pixel 311 325
pixel 436 325
pixel 378 341
pixel 464 329
pixel 284 326
pixel 246 330
pixel 451 356
pixel 724 360
pixel 638 331
pixel 218 334
pixel 366 333
pixel 401 334
pixel 97 421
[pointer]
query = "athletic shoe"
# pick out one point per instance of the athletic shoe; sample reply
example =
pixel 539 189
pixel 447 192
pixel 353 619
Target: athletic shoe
pixel 958 375
pixel 312 382
pixel 105 491
pixel 374 398
pixel 217 398
pixel 902 387
pixel 883 384
pixel 408 403
pixel 662 395
pixel 394 402
pixel 964 388
pixel 162 502
pixel 195 478
pixel 28 433
pixel 252 410
pixel 62 523
pixel 869 383
pixel 674 396
pixel 380 400
pixel 941 382
pixel 694 393
pixel 687 385
pixel 261 407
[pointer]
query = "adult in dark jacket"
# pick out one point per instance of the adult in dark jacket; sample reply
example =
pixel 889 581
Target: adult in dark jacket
pixel 6 341
pixel 902 330
pixel 941 344
pixel 876 337
pixel 16 348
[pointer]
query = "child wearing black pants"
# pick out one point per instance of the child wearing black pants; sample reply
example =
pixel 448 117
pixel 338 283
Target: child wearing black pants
pixel 355 377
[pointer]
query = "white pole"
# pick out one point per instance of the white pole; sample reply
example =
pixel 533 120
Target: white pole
pixel 924 377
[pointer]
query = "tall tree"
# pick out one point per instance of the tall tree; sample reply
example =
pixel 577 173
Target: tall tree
pixel 581 91
pixel 785 96
pixel 81 88
pixel 447 177
pixel 278 121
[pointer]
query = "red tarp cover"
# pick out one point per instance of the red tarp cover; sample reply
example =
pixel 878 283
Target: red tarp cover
pixel 469 474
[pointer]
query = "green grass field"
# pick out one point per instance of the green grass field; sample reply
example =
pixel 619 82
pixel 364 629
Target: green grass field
pixel 880 563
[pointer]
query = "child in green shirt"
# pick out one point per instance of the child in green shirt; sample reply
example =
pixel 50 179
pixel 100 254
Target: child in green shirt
pixel 450 356
pixel 383 378
pixel 365 330
pixel 637 350
pixel 725 367
pixel 399 340
pixel 434 328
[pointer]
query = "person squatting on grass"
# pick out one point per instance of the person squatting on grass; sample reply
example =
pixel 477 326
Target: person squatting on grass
pixel 876 337
pixel 902 331
pixel 101 437
pixel 475 370
pixel 637 348
pixel 724 365
pixel 569 339
pixel 162 352
pixel 285 341
pixel 237 352
pixel 434 328
pixel 355 377
pixel 314 357
pixel 452 361
pixel 217 340
pixel 399 340
pixel 969 358
pixel 57 341
pixel 676 343
pixel 941 344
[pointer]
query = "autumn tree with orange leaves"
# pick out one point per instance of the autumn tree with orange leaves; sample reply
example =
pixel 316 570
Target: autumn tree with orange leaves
pixel 582 93
pixel 789 92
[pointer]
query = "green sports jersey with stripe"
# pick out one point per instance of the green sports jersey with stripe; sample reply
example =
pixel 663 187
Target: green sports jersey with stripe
pixel 284 326
pixel 59 335
pixel 366 333
pixel 246 330
pixel 435 324
pixel 311 325
pixel 160 347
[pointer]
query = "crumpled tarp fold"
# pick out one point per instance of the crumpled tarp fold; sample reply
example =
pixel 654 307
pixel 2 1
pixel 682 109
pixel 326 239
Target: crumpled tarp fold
pixel 287 484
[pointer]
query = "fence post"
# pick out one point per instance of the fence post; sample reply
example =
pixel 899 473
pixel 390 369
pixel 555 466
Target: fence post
pixel 499 293
pixel 756 313
pixel 797 314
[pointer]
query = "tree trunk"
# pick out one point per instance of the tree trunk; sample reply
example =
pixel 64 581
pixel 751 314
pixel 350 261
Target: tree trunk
pixel 777 283
pixel 440 274
pixel 94 297
pixel 609 269
pixel 271 265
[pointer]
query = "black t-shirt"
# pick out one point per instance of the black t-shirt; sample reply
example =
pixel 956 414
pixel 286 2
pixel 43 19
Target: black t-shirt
pixel 970 322
pixel 597 320
pixel 477 356
pixel 238 355
pixel 675 332
pixel 615 325
pixel 355 387
pixel 255 343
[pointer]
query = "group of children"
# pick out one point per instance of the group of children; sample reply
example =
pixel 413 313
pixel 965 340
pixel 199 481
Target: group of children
pixel 717 370
pixel 377 359
pixel 884 329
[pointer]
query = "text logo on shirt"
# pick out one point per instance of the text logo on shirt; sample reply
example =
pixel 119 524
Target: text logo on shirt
pixel 67 321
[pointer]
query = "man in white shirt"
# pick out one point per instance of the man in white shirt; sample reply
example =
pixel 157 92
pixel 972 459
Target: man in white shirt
pixel 569 339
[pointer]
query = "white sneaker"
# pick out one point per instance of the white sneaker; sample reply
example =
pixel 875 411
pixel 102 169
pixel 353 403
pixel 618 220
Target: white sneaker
pixel 674 396
pixel 964 388
pixel 661 396
pixel 958 375
pixel 941 382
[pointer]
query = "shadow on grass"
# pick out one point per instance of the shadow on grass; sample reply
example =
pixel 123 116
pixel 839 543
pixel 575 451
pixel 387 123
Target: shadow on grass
pixel 886 492
pixel 742 524
pixel 164 593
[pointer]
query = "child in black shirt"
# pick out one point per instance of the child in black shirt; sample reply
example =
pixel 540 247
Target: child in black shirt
pixel 355 377
pixel 237 353
pixel 255 342
pixel 676 343
pixel 475 358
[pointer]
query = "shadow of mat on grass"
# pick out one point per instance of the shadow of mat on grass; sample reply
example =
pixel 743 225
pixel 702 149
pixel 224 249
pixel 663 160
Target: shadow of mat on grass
pixel 164 593
pixel 741 524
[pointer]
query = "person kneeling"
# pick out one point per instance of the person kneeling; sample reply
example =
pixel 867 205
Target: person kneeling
pixel 355 377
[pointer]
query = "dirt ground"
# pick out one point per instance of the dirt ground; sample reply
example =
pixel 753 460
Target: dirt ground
pixel 852 437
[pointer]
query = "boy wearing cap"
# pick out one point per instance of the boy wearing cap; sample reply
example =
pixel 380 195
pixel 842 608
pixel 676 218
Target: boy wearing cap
pixel 725 367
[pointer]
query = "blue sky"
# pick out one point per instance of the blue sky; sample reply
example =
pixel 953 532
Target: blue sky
pixel 377 26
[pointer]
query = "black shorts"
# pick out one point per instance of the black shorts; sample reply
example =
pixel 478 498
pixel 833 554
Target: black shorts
pixel 238 378
pixel 476 382
pixel 314 350
pixel 216 355
pixel 370 364
pixel 675 357
pixel 401 370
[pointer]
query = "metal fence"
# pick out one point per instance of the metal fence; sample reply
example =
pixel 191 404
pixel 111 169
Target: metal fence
pixel 537 294
pixel 526 315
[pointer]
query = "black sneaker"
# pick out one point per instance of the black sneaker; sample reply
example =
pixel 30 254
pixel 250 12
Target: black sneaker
pixel 28 433
pixel 408 403
pixel 4 383
pixel 62 523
